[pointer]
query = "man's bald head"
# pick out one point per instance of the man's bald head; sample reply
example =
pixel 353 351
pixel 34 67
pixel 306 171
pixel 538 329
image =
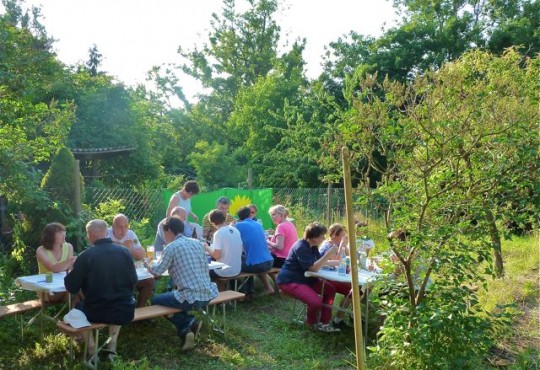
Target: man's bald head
pixel 120 226
pixel 179 212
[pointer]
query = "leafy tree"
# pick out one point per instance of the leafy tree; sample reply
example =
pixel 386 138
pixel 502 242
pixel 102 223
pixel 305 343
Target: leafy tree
pixel 60 179
pixel 447 136
pixel 514 23
pixel 214 166
pixel 32 123
pixel 94 60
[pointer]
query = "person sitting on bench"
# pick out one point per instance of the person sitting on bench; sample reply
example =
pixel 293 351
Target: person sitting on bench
pixel 257 258
pixel 226 247
pixel 186 262
pixel 54 254
pixel 106 275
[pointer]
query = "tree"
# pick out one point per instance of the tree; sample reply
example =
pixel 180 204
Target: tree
pixel 94 60
pixel 60 179
pixel 215 167
pixel 33 124
pixel 447 138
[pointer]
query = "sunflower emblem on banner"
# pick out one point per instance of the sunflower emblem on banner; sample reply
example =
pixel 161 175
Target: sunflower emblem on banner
pixel 238 202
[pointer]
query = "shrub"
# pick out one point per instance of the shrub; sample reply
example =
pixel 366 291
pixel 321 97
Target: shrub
pixel 59 180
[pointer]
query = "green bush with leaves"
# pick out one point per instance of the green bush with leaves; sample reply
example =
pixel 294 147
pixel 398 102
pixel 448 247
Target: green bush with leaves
pixel 60 179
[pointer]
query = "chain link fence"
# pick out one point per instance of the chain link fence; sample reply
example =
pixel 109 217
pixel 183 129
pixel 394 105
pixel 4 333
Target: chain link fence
pixel 138 204
pixel 316 204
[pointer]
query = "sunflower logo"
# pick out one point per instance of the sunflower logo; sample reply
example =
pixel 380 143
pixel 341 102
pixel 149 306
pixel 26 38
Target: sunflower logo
pixel 238 202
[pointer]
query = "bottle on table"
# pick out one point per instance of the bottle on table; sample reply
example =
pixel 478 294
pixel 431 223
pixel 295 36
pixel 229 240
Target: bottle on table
pixel 362 259
pixel 342 268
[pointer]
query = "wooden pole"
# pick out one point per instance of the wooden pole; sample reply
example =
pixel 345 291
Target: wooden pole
pixel 77 200
pixel 351 227
pixel 328 204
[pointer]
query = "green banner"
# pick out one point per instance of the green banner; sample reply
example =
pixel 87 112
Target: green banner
pixel 203 203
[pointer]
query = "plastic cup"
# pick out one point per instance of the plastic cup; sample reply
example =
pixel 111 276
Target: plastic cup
pixel 48 277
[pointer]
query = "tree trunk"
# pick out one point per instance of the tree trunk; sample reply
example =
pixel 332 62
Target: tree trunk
pixel 495 243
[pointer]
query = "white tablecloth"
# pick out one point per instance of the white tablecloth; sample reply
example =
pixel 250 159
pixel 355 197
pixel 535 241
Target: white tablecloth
pixel 37 282
pixel 364 276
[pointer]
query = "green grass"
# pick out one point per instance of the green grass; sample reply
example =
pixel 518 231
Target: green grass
pixel 519 347
pixel 261 334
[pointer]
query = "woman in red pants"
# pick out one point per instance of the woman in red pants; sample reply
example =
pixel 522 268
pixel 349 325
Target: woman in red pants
pixel 304 256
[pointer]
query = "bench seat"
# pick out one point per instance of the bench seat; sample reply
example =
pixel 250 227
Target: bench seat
pixel 18 308
pixel 149 312
pixel 243 276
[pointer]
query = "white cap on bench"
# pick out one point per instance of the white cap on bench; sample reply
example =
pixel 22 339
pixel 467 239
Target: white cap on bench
pixel 76 318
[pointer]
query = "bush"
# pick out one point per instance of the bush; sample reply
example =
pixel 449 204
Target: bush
pixel 447 331
pixel 60 179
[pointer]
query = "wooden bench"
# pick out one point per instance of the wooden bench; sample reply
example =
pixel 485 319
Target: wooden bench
pixel 144 313
pixel 18 309
pixel 244 276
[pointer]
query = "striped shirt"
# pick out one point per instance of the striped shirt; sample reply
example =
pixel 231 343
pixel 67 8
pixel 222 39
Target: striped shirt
pixel 188 269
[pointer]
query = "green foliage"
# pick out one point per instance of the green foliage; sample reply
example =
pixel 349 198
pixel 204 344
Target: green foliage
pixel 214 166
pixel 60 179
pixel 446 137
pixel 447 331
pixel 107 210
pixel 144 230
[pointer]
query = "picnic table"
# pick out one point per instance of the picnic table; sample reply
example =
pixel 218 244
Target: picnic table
pixel 365 277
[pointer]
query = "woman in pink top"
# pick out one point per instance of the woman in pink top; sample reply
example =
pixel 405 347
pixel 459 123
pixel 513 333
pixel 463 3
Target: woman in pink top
pixel 284 236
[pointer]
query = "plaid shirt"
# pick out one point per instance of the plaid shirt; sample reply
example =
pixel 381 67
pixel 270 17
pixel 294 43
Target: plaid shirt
pixel 188 268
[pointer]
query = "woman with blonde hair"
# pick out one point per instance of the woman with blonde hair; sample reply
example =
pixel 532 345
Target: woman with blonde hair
pixel 284 236
pixel 337 235
pixel 337 238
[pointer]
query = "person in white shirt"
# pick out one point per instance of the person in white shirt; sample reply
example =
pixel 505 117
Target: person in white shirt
pixel 120 233
pixel 226 247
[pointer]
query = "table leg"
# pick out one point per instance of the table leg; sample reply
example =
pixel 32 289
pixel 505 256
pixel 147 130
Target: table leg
pixel 367 314
pixel 322 295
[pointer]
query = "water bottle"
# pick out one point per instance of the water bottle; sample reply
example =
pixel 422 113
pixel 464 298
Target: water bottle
pixel 347 265
pixel 342 268
pixel 362 259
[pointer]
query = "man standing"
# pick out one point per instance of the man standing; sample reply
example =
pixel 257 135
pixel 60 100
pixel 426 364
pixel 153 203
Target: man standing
pixel 120 233
pixel 222 205
pixel 106 275
pixel 188 268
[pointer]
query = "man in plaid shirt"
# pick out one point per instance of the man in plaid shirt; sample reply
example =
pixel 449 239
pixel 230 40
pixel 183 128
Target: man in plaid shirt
pixel 188 268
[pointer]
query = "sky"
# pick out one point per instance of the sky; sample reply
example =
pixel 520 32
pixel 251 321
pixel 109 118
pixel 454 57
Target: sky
pixel 134 35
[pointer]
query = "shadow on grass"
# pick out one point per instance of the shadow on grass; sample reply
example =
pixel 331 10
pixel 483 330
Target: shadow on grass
pixel 260 335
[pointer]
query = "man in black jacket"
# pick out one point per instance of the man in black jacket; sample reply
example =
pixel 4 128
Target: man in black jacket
pixel 105 273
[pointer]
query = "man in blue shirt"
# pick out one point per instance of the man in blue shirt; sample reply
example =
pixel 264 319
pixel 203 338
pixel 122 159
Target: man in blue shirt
pixel 257 258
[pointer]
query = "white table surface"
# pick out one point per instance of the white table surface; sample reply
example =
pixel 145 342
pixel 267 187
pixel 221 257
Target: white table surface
pixel 37 283
pixel 364 276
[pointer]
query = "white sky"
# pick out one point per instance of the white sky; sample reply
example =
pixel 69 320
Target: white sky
pixel 134 35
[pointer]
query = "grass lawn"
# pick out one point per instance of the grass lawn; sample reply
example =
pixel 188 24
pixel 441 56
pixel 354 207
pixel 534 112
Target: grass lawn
pixel 262 335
